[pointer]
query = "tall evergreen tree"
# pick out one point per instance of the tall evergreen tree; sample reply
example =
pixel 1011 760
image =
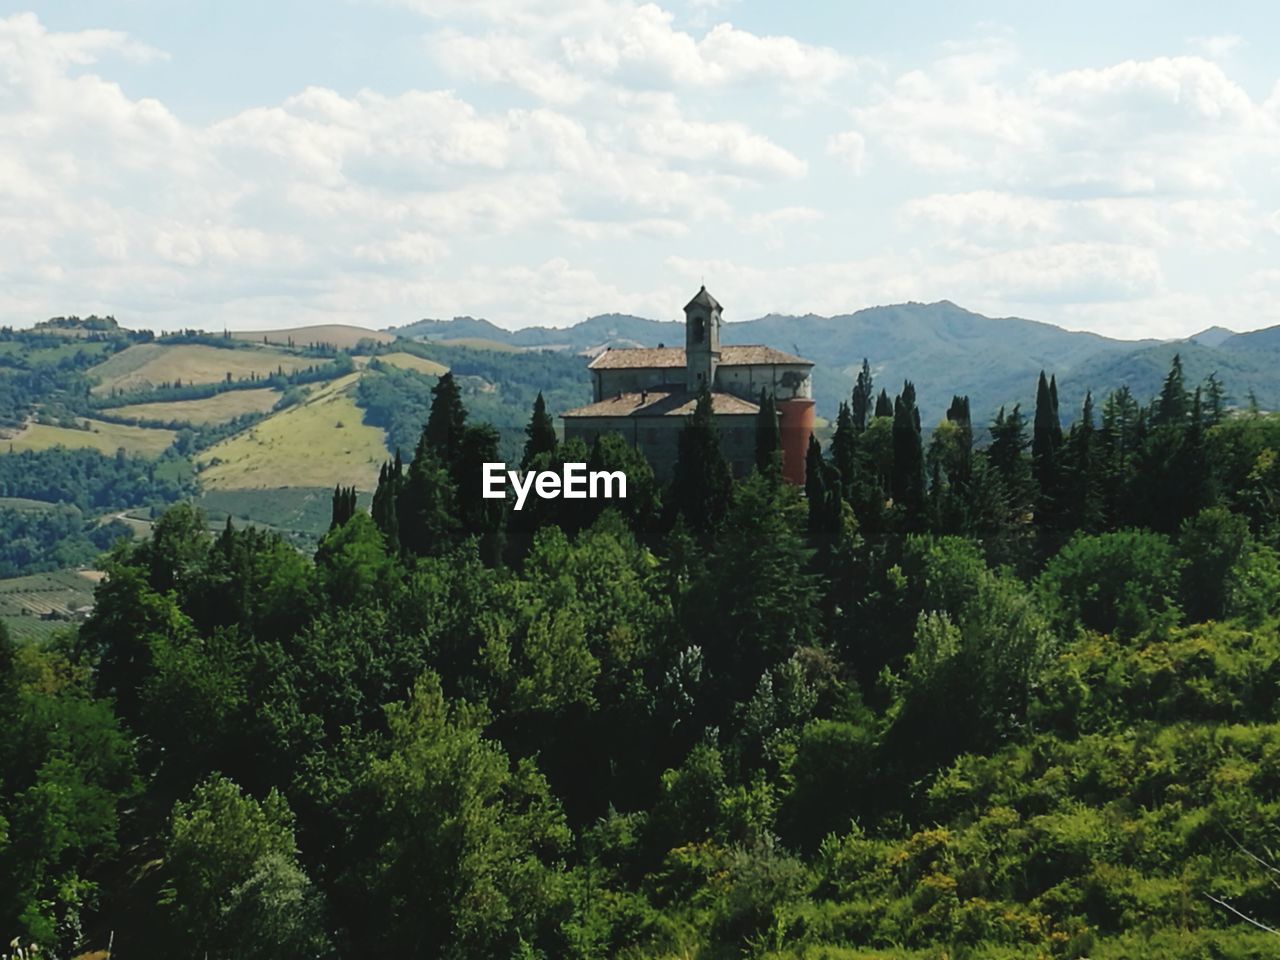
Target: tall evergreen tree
pixel 426 506
pixel 908 457
pixel 701 484
pixel 1046 439
pixel 844 449
pixel 958 413
pixel 384 509
pixel 1082 504
pixel 1174 404
pixel 1215 401
pixel 822 490
pixel 862 405
pixel 481 517
pixel 884 406
pixel 815 489
pixel 344 506
pixel 768 439
pixel 540 433
pixel 445 423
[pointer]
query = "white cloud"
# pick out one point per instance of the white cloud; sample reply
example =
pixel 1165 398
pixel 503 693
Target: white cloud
pixel 850 148
pixel 605 155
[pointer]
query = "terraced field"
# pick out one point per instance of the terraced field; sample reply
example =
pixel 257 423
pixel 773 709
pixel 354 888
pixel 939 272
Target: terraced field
pixel 408 361
pixel 318 443
pixel 104 437
pixel 341 335
pixel 34 607
pixel 147 365
pixel 216 409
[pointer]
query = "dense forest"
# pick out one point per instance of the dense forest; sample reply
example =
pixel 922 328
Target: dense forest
pixel 1012 700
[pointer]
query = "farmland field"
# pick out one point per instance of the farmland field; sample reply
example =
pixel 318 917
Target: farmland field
pixel 147 365
pixel 34 607
pixel 216 409
pixel 303 510
pixel 318 443
pixel 407 361
pixel 104 437
pixel 25 504
pixel 342 336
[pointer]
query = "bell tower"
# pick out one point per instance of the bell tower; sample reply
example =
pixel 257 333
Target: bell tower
pixel 701 341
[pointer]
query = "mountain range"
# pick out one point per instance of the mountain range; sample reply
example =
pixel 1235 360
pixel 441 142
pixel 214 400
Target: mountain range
pixel 942 348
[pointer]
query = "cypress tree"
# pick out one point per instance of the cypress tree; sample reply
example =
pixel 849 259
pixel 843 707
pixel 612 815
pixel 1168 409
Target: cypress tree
pixel 814 484
pixel 768 439
pixel 480 517
pixel 884 406
pixel 1045 440
pixel 385 509
pixel 862 404
pixel 426 506
pixel 958 413
pixel 908 456
pixel 844 450
pixel 540 433
pixel 701 484
pixel 1215 401
pixel 443 431
pixel 344 506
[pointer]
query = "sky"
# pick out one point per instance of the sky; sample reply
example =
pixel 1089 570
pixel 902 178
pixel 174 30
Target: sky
pixel 1112 167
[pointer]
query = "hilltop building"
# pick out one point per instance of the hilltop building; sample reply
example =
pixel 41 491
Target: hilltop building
pixel 645 394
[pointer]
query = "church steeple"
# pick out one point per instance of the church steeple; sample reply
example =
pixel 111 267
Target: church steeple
pixel 701 340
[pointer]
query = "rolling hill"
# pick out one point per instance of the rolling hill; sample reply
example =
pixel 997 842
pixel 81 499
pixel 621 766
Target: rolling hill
pixel 146 365
pixel 319 442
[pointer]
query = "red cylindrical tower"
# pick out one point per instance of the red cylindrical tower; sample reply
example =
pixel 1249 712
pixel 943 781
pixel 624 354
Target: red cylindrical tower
pixel 796 423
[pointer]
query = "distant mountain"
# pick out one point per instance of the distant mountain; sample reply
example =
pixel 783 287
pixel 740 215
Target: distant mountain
pixel 943 348
pixel 1266 340
pixel 1212 337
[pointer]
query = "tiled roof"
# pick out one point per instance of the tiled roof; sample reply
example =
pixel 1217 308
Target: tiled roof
pixel 639 358
pixel 661 358
pixel 748 354
pixel 656 403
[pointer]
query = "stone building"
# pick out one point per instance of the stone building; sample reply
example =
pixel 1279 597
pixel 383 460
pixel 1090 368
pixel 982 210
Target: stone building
pixel 645 394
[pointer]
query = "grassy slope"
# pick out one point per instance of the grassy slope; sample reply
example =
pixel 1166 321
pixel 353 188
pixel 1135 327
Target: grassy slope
pixel 104 437
pixel 407 361
pixel 318 443
pixel 341 335
pixel 216 409
pixel 149 364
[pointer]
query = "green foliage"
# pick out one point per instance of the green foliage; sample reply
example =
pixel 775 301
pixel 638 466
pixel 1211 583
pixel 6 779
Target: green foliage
pixel 759 728
pixel 66 772
pixel 462 858
pixel 756 603
pixel 1111 582
pixel 232 884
